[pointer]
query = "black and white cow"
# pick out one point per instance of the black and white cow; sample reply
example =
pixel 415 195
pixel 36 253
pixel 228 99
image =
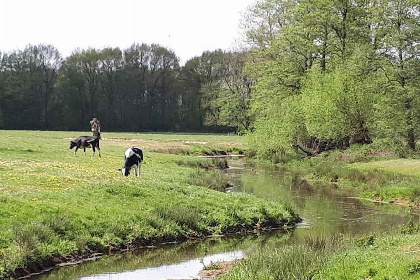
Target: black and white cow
pixel 133 158
pixel 86 142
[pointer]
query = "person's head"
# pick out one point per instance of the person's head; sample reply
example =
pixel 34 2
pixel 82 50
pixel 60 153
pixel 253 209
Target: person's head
pixel 95 119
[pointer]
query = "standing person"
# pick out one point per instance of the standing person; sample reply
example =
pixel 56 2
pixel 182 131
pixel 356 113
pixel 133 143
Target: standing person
pixel 96 127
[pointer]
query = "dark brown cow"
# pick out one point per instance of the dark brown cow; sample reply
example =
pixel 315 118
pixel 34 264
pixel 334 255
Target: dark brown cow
pixel 86 142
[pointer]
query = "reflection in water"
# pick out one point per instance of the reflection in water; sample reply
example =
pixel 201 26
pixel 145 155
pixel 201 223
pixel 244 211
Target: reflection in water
pixel 116 265
pixel 184 270
pixel 324 214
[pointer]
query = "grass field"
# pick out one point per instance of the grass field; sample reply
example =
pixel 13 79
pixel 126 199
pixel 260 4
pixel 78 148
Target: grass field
pixel 57 207
pixel 410 167
pixel 388 180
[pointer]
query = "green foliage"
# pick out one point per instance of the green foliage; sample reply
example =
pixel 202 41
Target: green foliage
pixel 227 97
pixel 28 81
pixel 339 103
pixel 414 269
pixel 188 217
pixel 353 66
pixel 282 126
pixel 369 172
pixel 388 259
pixel 142 87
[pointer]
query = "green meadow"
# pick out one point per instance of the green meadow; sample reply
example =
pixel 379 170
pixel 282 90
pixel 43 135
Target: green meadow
pixel 57 207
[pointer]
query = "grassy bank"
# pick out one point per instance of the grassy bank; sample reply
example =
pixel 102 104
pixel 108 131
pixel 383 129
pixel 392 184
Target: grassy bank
pixel 365 172
pixel 57 207
pixel 392 256
pixel 386 257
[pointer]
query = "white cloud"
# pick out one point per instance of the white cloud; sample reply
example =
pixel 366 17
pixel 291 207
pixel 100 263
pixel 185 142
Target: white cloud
pixel 189 27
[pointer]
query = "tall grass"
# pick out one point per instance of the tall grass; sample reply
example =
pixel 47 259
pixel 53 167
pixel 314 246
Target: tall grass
pixel 393 256
pixel 213 179
pixel 216 163
pixel 299 261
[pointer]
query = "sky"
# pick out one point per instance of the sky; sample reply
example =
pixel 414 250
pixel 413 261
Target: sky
pixel 188 27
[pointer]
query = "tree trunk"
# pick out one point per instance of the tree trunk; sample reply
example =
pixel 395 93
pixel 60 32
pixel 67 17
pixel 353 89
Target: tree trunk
pixel 411 139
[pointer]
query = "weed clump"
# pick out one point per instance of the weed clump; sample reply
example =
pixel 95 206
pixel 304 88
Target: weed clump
pixel 414 269
pixel 214 163
pixel 410 228
pixel 184 216
pixel 214 180
pixel 366 241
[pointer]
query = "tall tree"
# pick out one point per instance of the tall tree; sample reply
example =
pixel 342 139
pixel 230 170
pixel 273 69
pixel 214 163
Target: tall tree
pixel 111 65
pixel 29 78
pixel 397 39
pixel 264 21
pixel 229 96
pixel 197 75
pixel 324 33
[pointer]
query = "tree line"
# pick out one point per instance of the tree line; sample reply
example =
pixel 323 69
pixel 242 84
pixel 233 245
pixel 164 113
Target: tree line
pixel 141 88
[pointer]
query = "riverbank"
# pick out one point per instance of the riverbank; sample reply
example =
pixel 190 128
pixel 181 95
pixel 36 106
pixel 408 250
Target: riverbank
pixel 391 256
pixel 365 172
pixel 55 206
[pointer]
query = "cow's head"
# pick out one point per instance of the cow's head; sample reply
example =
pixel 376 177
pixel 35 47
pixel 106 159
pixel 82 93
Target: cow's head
pixel 72 144
pixel 125 171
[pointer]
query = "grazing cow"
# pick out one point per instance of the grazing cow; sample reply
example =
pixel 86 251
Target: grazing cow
pixel 86 142
pixel 133 158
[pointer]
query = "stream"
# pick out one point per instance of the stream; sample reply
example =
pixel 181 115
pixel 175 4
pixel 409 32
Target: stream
pixel 325 213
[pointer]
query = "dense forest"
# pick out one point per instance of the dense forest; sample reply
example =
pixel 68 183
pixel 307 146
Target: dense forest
pixel 313 75
pixel 142 88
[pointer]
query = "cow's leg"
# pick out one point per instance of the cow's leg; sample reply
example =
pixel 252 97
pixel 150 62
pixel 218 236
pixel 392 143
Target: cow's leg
pixel 84 150
pixel 99 150
pixel 139 167
pixel 136 169
pixel 76 150
pixel 93 149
